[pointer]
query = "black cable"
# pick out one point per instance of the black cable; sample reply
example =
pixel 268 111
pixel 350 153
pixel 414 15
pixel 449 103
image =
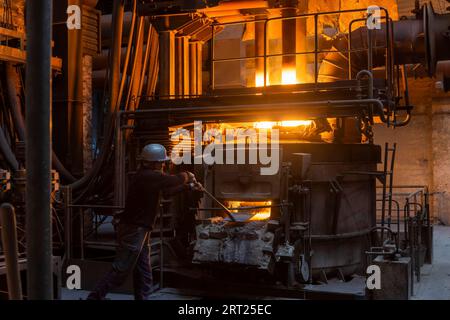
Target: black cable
pixel 7 152
pixel 18 119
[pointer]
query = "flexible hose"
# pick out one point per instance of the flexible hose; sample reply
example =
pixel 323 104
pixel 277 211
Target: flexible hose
pixel 18 119
pixel 7 152
pixel 109 132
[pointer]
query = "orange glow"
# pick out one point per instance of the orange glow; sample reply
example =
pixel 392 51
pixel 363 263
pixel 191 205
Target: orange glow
pixel 259 80
pixel 289 76
pixel 287 123
pixel 258 214
pixel 295 123
pixel 264 125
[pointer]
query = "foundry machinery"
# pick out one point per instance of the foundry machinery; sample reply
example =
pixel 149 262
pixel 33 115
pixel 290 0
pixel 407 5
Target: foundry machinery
pixel 323 79
pixel 317 216
pixel 319 210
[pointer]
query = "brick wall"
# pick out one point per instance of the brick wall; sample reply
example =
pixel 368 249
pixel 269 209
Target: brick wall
pixel 423 148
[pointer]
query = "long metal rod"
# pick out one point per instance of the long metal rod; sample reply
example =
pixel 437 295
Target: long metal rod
pixel 10 248
pixel 229 213
pixel 38 149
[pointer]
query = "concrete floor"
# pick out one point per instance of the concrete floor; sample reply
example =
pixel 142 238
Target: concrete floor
pixel 434 284
pixel 435 278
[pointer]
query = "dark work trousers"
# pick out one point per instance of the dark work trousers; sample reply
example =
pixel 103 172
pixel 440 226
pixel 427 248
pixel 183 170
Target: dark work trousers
pixel 133 255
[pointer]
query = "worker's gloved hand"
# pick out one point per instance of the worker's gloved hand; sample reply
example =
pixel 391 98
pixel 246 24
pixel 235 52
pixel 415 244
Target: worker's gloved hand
pixel 191 177
pixel 196 186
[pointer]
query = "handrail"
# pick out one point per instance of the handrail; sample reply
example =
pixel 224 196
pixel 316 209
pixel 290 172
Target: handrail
pixel 316 50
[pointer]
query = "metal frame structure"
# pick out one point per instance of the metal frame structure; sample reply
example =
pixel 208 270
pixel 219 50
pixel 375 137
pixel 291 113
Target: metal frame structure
pixel 316 99
pixel 316 50
pixel 362 96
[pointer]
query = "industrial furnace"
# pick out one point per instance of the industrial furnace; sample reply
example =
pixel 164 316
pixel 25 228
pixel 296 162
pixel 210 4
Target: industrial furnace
pixel 316 217
pixel 272 104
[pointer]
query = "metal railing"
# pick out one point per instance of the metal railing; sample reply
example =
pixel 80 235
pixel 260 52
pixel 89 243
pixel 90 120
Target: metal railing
pixel 388 46
pixel 415 223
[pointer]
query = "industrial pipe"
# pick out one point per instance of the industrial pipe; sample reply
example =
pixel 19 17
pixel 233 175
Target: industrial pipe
pixel 74 72
pixel 14 100
pixel 10 249
pixel 38 149
pixel 18 119
pixel 260 47
pixel 114 81
pixel 423 41
pixel 289 69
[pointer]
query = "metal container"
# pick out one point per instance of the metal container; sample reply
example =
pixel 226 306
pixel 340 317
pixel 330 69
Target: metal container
pixel 343 204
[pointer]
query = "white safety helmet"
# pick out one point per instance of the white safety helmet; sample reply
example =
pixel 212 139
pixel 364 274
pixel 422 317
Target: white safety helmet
pixel 154 153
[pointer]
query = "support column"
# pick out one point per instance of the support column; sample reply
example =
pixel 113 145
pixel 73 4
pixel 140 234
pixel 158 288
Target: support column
pixel 182 66
pixel 259 51
pixel 167 63
pixel 195 68
pixel 114 76
pixel 38 149
pixel 301 44
pixel 136 73
pixel 289 72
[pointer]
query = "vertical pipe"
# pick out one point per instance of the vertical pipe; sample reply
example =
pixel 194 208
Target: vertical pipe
pixel 195 68
pixel 74 76
pixel 153 68
pixel 136 70
pixel 182 66
pixel 369 50
pixel 259 51
pixel 167 63
pixel 289 72
pixel 301 44
pixel 193 77
pixel 383 203
pixel 199 70
pixel 119 166
pixel 114 76
pixel 38 149
pixel 116 86
pixel 10 248
pixel 211 57
pixel 316 48
pixel 265 53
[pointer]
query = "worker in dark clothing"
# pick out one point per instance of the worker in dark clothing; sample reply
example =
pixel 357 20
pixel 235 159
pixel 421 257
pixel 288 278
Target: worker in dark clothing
pixel 136 222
